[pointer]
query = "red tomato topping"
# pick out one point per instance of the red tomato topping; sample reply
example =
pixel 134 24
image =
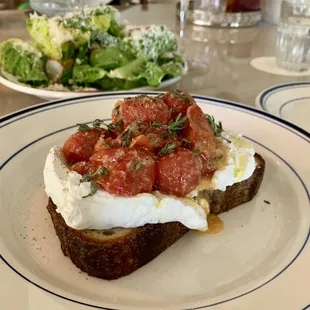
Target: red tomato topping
pixel 178 173
pixel 147 109
pixel 83 167
pixel 79 147
pixel 144 142
pixel 178 101
pixel 131 171
pixel 199 132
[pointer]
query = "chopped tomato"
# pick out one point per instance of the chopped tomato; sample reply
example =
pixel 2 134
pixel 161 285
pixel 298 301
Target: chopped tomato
pixel 147 109
pixel 144 142
pixel 199 132
pixel 178 173
pixel 79 147
pixel 131 171
pixel 178 101
pixel 83 167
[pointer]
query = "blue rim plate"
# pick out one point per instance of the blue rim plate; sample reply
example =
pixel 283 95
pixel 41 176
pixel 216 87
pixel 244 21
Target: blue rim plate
pixel 290 102
pixel 262 253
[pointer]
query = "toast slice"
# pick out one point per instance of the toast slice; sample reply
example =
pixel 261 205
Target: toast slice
pixel 114 253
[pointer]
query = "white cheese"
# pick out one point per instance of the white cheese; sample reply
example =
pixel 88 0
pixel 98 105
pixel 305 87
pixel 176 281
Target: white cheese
pixel 105 211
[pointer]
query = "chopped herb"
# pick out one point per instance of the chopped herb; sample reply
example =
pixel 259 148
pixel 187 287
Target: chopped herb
pixel 127 137
pixel 175 126
pixel 178 93
pixel 267 202
pixel 102 171
pixel 156 124
pixel 185 141
pixel 196 152
pixel 117 126
pixel 138 165
pixel 140 122
pixel 168 148
pixel 87 177
pixel 93 189
pixel 97 123
pixel 170 111
pixel 116 111
pixel 216 128
pixel 83 127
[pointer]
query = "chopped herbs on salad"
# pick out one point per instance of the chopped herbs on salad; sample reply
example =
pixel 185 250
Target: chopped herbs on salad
pixel 91 49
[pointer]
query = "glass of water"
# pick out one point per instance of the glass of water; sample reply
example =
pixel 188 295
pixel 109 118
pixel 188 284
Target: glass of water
pixel 293 39
pixel 61 7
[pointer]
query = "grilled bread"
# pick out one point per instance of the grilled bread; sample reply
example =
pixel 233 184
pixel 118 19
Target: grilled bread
pixel 114 253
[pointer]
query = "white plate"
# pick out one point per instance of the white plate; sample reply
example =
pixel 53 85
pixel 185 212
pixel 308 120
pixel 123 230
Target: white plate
pixel 288 101
pixel 52 94
pixel 260 261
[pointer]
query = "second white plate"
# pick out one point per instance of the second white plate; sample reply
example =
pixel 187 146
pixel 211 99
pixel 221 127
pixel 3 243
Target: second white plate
pixel 288 101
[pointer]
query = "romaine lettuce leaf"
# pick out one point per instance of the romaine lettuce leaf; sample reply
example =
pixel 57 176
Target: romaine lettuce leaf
pixel 39 30
pixel 142 68
pixel 119 84
pixel 173 69
pixel 87 74
pixel 108 58
pixel 131 70
pixel 23 61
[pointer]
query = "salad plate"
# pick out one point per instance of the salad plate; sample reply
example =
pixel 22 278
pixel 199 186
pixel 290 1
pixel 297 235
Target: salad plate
pixel 288 101
pixel 92 50
pixel 259 261
pixel 48 94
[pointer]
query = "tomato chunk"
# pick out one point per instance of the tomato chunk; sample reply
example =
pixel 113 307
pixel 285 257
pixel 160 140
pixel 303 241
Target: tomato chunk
pixel 83 167
pixel 79 147
pixel 131 170
pixel 178 173
pixel 199 132
pixel 147 109
pixel 178 101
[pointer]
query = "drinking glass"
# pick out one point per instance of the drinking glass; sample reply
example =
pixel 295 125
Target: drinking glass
pixel 293 37
pixel 61 7
pixel 199 66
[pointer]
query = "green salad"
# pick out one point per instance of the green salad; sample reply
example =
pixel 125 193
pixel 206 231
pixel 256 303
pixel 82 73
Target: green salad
pixel 91 49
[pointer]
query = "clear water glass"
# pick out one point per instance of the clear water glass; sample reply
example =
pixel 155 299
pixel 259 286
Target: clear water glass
pixel 207 8
pixel 293 37
pixel 61 7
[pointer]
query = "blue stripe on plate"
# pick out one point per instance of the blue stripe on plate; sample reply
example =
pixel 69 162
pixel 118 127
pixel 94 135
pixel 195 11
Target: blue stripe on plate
pixel 270 91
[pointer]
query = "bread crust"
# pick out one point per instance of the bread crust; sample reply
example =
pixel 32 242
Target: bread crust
pixel 113 258
pixel 111 254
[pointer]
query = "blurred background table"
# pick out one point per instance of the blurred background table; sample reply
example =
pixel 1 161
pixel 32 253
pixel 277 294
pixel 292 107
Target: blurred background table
pixel 228 53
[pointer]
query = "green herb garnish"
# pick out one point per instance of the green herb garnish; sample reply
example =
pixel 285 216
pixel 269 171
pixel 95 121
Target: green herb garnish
pixel 156 124
pixel 138 165
pixel 178 93
pixel 93 189
pixel 196 152
pixel 83 127
pixel 216 128
pixel 175 126
pixel 185 141
pixel 88 177
pixel 127 137
pixel 97 123
pixel 168 148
